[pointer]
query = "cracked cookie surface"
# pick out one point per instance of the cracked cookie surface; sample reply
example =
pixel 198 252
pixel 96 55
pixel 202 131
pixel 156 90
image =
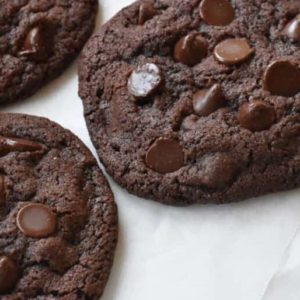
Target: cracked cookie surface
pixel 58 218
pixel 188 103
pixel 38 40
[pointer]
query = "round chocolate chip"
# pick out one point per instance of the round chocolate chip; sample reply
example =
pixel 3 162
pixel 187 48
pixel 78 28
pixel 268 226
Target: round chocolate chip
pixel 207 101
pixel 191 49
pixel 38 44
pixel 36 220
pixel 165 156
pixel 233 51
pixel 146 12
pixel 216 12
pixel 145 80
pixel 282 78
pixel 8 274
pixel 292 29
pixel 256 115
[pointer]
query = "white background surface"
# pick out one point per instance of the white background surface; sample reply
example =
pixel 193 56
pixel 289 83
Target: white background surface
pixel 245 251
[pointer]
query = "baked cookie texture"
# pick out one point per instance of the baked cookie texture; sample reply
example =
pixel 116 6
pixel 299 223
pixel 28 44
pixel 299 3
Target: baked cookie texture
pixel 58 218
pixel 38 40
pixel 197 101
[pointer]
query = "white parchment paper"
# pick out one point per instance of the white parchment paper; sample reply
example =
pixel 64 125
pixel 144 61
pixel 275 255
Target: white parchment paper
pixel 244 251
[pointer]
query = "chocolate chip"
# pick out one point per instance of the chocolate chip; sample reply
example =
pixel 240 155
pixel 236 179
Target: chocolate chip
pixel 38 44
pixel 145 80
pixel 292 29
pixel 17 145
pixel 2 191
pixel 8 274
pixel 282 78
pixel 36 220
pixel 217 12
pixel 207 101
pixel 165 156
pixel 146 12
pixel 191 49
pixel 233 51
pixel 256 115
pixel 217 170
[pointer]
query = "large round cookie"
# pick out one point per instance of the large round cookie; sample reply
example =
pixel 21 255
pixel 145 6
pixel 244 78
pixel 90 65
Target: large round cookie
pixel 197 101
pixel 38 40
pixel 58 219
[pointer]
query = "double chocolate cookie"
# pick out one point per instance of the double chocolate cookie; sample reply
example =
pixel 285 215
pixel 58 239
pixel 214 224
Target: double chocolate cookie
pixel 197 101
pixel 58 219
pixel 38 39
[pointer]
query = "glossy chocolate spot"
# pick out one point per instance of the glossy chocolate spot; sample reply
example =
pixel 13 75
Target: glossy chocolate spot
pixel 8 274
pixel 38 44
pixel 165 156
pixel 36 220
pixel 292 29
pixel 282 78
pixel 2 191
pixel 145 80
pixel 256 115
pixel 191 49
pixel 233 51
pixel 8 145
pixel 146 12
pixel 207 101
pixel 216 12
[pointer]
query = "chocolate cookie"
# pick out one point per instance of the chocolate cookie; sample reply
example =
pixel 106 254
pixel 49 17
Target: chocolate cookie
pixel 197 101
pixel 38 40
pixel 58 219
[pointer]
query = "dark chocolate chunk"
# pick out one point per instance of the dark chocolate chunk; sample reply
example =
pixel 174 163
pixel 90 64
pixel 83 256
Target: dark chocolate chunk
pixel 36 220
pixel 38 44
pixel 216 12
pixel 144 81
pixel 18 145
pixel 165 156
pixel 191 49
pixel 8 274
pixel 292 29
pixel 207 101
pixel 233 51
pixel 282 78
pixel 256 116
pixel 146 12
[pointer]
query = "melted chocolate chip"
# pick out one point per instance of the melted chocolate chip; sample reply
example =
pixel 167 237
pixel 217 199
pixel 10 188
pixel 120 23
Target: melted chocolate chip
pixel 17 145
pixel 282 78
pixel 207 101
pixel 146 12
pixel 165 156
pixel 292 29
pixel 38 44
pixel 216 12
pixel 36 220
pixel 8 274
pixel 2 191
pixel 145 80
pixel 256 115
pixel 217 170
pixel 191 49
pixel 233 51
